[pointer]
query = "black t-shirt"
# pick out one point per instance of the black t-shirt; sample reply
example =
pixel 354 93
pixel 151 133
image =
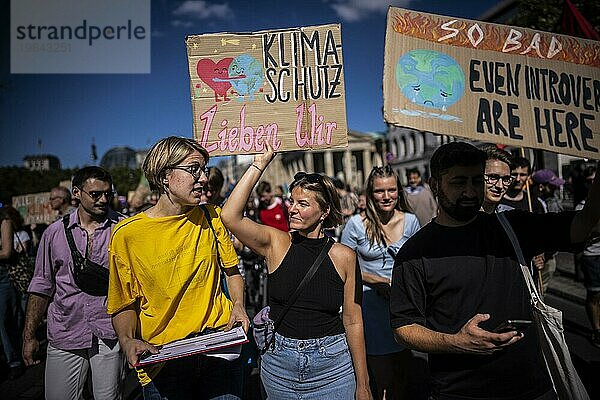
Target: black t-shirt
pixel 523 204
pixel 443 276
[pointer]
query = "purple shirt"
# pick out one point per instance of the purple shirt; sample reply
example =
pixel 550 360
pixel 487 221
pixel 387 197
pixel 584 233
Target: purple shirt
pixel 74 317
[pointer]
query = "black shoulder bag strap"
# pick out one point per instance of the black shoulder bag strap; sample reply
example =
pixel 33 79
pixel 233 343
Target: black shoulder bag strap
pixel 517 247
pixel 210 225
pixel 78 258
pixel 311 272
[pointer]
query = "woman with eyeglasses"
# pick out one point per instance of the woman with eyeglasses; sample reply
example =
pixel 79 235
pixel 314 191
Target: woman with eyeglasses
pixel 376 235
pixel 316 353
pixel 165 283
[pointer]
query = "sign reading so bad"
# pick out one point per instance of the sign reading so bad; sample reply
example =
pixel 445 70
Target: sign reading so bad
pixel 493 83
pixel 285 87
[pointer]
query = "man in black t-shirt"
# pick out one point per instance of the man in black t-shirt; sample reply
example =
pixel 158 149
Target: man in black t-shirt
pixel 457 279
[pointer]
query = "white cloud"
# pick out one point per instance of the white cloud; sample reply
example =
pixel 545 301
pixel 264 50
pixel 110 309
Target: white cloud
pixel 177 23
pixel 200 9
pixel 355 10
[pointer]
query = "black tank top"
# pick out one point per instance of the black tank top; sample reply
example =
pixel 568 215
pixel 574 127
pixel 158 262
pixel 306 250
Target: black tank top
pixel 316 312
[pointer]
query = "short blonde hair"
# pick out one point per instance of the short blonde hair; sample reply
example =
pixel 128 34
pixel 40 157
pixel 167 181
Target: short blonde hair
pixel 165 154
pixel 325 194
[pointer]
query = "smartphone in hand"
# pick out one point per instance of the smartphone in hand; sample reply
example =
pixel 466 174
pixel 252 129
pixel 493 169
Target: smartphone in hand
pixel 519 325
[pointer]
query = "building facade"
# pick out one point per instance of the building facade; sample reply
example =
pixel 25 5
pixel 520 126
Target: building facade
pixel 42 162
pixel 351 164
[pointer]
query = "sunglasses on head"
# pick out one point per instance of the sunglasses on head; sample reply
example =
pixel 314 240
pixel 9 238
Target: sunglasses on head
pixel 311 178
pixel 383 170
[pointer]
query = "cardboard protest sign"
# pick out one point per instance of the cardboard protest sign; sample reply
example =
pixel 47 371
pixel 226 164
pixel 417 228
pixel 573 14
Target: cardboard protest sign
pixel 493 83
pixel 35 208
pixel 282 86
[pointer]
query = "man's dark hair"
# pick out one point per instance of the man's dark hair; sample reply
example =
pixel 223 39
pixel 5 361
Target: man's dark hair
pixel 93 172
pixel 455 154
pixel 215 179
pixel 521 162
pixel 412 171
pixel 263 186
pixel 494 153
pixel 589 171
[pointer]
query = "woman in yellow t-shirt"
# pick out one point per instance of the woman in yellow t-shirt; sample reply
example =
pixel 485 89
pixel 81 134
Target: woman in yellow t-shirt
pixel 165 277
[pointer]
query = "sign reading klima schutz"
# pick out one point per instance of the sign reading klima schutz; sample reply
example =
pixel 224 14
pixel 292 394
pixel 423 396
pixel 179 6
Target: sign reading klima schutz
pixel 285 87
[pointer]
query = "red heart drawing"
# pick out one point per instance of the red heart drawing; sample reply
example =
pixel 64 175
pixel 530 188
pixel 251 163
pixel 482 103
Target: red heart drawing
pixel 208 71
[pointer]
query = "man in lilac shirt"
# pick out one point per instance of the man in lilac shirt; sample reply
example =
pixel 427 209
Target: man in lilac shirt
pixel 80 333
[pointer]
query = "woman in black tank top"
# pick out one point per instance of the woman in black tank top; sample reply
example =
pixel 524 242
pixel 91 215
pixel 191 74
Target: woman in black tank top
pixel 318 351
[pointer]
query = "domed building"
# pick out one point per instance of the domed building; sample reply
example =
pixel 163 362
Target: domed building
pixel 119 157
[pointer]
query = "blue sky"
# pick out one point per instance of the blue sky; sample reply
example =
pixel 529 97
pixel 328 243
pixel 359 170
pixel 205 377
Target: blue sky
pixel 67 112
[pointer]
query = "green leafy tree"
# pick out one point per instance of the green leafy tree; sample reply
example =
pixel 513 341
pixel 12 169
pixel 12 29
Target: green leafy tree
pixel 15 181
pixel 125 179
pixel 545 15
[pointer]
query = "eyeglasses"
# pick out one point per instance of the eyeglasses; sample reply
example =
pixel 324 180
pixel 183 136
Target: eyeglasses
pixel 493 179
pixel 196 170
pixel 97 194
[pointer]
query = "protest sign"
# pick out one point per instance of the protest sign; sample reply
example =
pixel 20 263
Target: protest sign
pixel 281 86
pixel 35 208
pixel 493 83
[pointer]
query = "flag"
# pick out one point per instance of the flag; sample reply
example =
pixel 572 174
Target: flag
pixel 573 23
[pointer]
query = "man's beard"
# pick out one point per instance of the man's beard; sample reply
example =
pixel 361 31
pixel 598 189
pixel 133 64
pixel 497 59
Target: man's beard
pixel 458 211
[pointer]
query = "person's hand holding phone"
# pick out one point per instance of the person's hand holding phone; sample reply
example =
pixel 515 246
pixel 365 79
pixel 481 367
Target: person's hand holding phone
pixel 471 339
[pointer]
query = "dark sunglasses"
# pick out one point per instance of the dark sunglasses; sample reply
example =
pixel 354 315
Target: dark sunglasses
pixel 97 194
pixel 387 170
pixel 310 178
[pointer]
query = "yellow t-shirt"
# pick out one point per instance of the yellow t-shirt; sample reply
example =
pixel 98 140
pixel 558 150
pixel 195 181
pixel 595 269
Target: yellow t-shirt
pixel 169 265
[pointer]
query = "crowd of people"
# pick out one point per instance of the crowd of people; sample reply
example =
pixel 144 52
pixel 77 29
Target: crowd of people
pixel 425 266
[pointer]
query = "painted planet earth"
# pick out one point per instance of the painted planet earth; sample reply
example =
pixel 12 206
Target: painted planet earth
pixel 246 75
pixel 430 78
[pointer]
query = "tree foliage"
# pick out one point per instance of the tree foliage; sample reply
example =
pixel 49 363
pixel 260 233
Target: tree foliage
pixel 16 181
pixel 125 179
pixel 545 15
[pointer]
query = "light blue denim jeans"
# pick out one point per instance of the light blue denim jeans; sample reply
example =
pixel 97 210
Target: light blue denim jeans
pixel 308 369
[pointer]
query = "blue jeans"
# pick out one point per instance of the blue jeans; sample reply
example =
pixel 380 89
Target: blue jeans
pixel 9 314
pixel 308 369
pixel 197 377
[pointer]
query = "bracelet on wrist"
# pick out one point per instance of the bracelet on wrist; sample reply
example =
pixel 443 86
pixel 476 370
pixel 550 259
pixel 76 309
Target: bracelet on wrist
pixel 256 166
